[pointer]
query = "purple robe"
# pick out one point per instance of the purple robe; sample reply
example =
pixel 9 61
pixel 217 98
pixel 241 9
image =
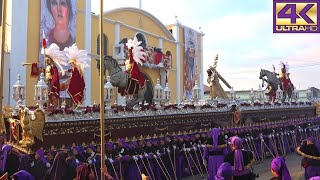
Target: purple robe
pixel 224 172
pixel 215 154
pixel 279 166
pixel 22 175
pixel 6 149
pixel 59 166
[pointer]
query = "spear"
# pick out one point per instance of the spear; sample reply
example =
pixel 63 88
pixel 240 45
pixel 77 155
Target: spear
pixel 144 165
pixel 174 171
pixel 185 153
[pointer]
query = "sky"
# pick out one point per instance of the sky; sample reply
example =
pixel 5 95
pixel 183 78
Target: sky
pixel 241 32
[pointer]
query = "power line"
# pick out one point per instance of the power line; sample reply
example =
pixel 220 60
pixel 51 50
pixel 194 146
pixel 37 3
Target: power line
pixel 291 67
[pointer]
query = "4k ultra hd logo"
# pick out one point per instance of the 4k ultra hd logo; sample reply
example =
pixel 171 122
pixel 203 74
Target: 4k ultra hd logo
pixel 291 16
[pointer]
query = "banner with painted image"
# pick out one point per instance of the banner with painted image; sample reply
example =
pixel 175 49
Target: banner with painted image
pixel 190 63
pixel 58 25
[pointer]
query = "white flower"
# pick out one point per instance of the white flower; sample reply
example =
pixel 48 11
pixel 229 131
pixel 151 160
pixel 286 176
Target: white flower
pixel 137 50
pixel 80 57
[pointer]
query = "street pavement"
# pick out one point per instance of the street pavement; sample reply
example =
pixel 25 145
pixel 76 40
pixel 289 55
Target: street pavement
pixel 263 169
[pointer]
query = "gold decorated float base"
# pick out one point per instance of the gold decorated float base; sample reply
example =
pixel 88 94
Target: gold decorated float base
pixel 83 128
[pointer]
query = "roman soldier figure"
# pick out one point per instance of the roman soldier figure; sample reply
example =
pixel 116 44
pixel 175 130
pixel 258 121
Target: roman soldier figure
pixel 78 59
pixel 284 77
pixel 136 56
pixel 54 59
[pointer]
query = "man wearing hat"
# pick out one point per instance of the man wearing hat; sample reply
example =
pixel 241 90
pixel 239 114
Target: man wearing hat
pixel 310 151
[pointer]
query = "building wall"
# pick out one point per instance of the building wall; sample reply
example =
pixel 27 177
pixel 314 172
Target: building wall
pixel 136 19
pixel 33 47
pixel 108 30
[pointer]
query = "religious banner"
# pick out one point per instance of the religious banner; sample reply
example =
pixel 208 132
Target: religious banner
pixel 58 23
pixel 190 74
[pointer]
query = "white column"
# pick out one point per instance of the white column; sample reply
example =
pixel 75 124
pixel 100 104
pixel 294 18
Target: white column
pixel 140 4
pixel 201 67
pixel 176 34
pixel 162 70
pixel 160 42
pixel 88 49
pixel 121 100
pixel 18 54
pixel 116 33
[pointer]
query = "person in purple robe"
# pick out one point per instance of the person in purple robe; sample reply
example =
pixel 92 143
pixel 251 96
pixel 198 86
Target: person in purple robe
pixel 40 166
pixel 50 156
pixel 78 154
pixel 279 169
pixel 112 163
pixel 214 154
pixel 22 175
pixel 240 160
pixel 90 153
pixel 135 166
pixel 10 161
pixel 224 172
pixel 59 167
pixel 310 151
pixel 123 157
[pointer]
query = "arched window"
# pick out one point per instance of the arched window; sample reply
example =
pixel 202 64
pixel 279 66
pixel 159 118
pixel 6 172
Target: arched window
pixel 148 95
pixel 142 38
pixel 105 44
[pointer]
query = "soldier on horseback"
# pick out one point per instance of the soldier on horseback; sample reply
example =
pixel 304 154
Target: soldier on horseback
pixel 284 78
pixel 274 80
pixel 136 55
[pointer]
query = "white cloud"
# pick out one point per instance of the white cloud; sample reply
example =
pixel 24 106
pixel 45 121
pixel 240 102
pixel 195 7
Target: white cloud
pixel 292 41
pixel 235 27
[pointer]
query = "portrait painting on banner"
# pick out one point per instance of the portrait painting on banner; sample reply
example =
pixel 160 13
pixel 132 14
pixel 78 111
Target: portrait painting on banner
pixel 58 22
pixel 58 25
pixel 190 65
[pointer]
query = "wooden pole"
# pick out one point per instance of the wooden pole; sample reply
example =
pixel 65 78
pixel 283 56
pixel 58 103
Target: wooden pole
pixel 3 32
pixel 102 129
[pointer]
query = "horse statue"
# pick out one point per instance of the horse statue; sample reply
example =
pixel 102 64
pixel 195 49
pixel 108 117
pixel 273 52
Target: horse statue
pixel 120 79
pixel 272 80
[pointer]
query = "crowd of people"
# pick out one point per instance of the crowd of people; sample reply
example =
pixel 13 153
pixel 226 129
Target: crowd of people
pixel 222 153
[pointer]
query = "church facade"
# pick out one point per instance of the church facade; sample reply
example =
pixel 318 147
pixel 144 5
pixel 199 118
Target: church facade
pixel 174 52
